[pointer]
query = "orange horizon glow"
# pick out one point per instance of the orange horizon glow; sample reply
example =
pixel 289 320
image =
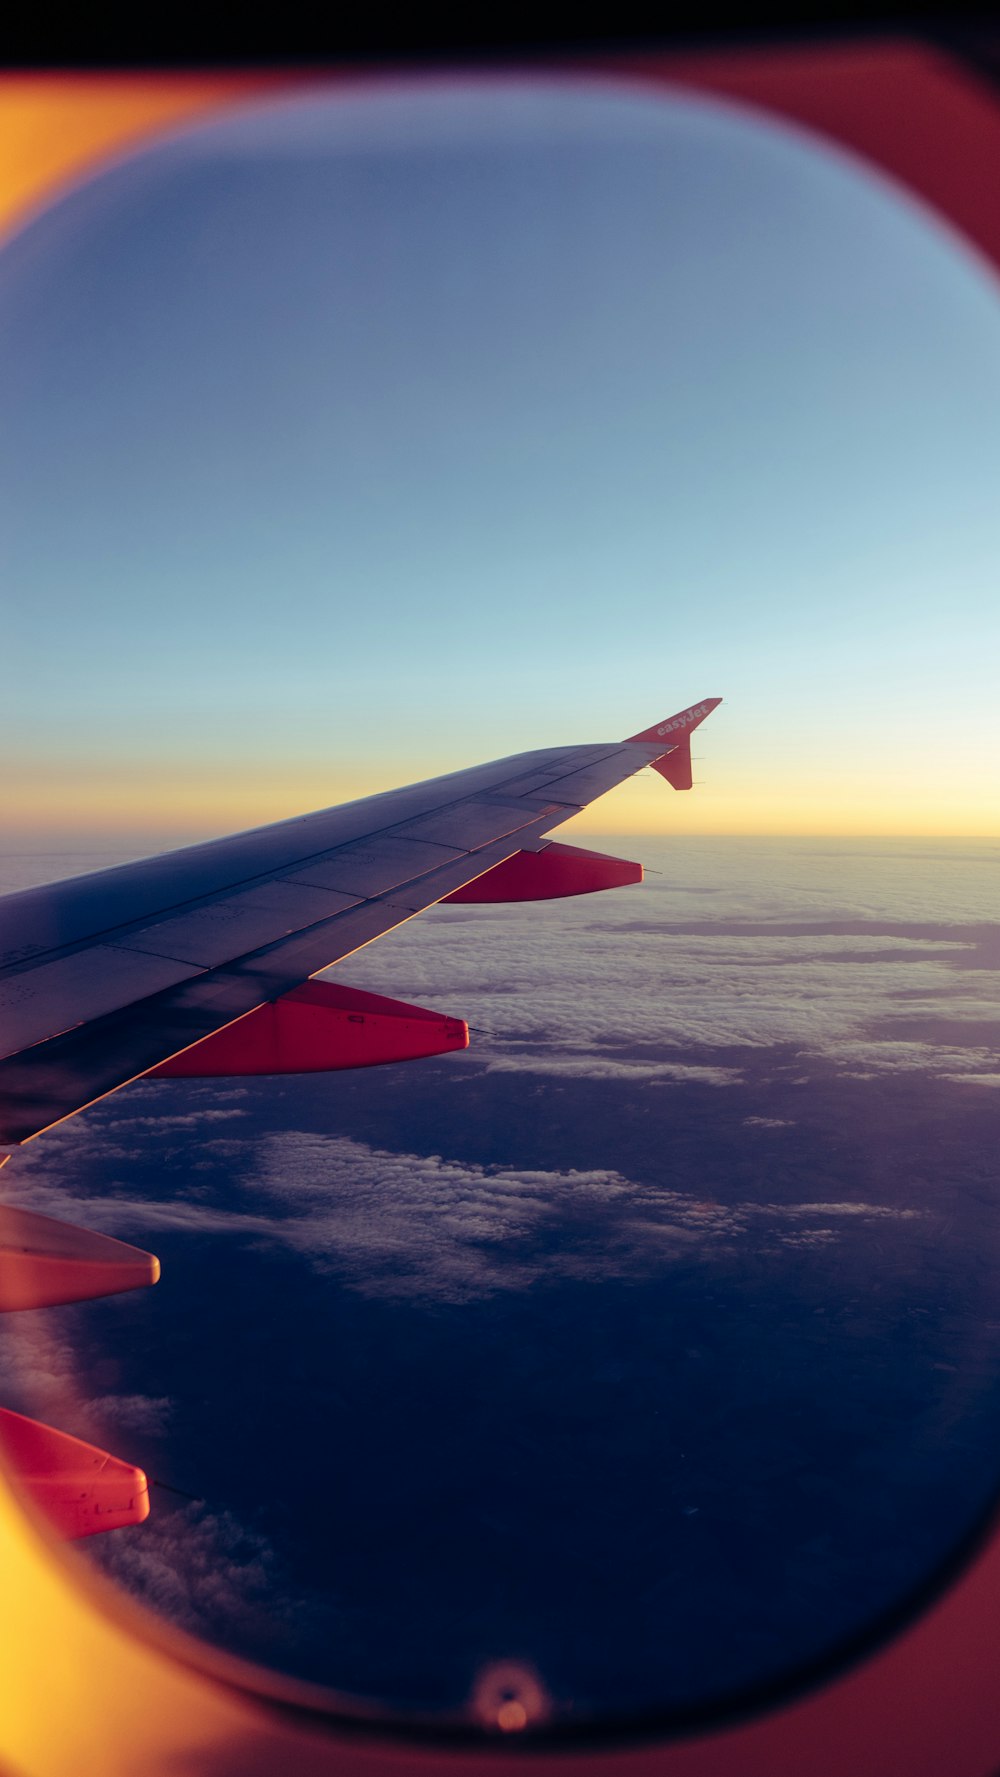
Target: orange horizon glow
pixel 180 803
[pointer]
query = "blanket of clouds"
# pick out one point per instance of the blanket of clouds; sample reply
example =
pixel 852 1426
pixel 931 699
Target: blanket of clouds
pixel 650 1343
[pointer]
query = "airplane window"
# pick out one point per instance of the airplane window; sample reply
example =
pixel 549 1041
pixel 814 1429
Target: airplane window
pixel 646 1355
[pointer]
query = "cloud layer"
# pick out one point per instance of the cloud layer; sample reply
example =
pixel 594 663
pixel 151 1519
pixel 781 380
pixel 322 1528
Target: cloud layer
pixel 421 1227
pixel 708 1207
pixel 811 952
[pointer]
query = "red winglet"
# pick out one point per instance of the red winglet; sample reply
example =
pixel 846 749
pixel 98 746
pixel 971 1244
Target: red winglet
pixel 81 1489
pixel 317 1028
pixel 544 875
pixel 674 728
pixel 676 765
pixel 43 1262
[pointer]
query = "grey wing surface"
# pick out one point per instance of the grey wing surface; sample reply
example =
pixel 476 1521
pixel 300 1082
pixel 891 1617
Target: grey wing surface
pixel 102 977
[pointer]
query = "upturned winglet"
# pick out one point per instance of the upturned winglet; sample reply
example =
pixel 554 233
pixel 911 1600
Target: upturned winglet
pixel 673 728
pixel 675 734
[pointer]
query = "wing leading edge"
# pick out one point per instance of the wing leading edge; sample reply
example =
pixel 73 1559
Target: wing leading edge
pixel 197 963
pixel 104 977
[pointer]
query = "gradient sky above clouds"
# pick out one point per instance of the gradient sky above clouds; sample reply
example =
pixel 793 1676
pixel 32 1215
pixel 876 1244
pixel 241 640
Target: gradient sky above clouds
pixel 353 438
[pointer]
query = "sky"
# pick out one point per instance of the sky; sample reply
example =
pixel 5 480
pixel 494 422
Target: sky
pixel 356 437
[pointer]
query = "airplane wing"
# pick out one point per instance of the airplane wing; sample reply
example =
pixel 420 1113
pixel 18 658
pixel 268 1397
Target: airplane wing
pixel 108 976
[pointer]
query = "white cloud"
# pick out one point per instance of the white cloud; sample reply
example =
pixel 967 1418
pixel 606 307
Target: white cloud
pixel 169 1120
pixel 42 1363
pixel 201 1570
pixel 146 1414
pixel 128 1218
pixel 869 1211
pixel 574 979
pixel 414 1225
pixel 810 1237
pixel 893 1057
pixel 409 1225
pixel 57 1376
pixel 590 1064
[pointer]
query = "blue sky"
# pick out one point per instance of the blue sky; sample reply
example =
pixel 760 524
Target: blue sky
pixel 353 438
